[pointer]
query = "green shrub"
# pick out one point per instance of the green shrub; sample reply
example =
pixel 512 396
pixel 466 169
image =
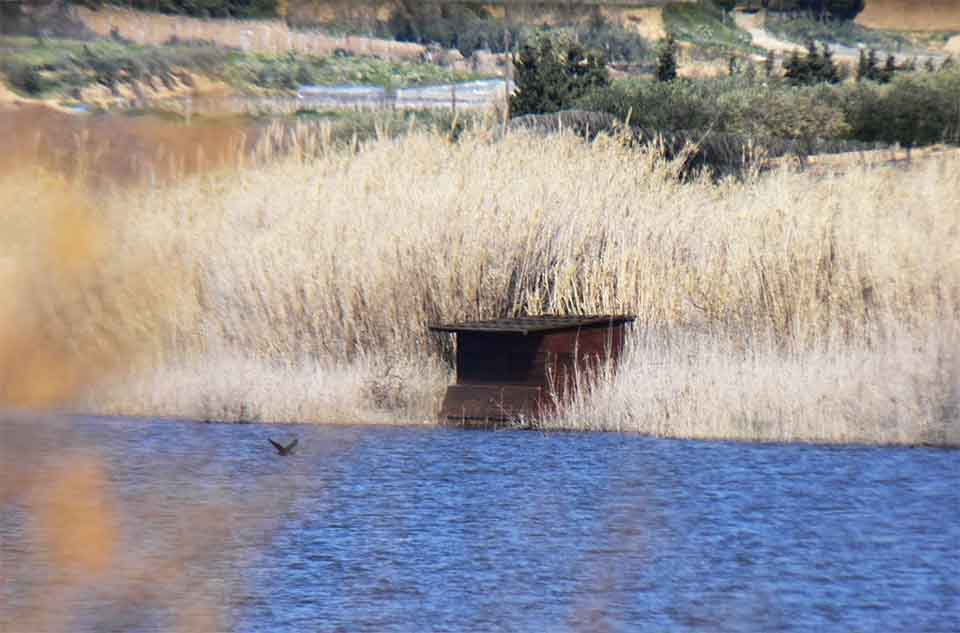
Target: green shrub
pixel 551 73
pixel 912 110
pixel 466 27
pixel 23 76
pixel 207 8
pixel 729 105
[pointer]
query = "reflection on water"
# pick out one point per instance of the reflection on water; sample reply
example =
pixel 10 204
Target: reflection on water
pixel 472 95
pixel 403 529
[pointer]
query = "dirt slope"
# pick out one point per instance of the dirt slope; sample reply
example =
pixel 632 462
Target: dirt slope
pixel 752 23
pixel 912 15
pixel 7 95
pixel 952 47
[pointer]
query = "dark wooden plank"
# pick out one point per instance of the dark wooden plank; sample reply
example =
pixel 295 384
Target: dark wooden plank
pixel 491 402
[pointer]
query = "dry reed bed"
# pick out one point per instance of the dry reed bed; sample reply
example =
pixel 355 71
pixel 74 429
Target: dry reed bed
pixel 780 307
pixel 902 390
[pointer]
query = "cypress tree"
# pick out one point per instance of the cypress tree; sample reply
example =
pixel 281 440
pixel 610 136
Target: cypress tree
pixel 873 70
pixel 813 62
pixel 829 72
pixel 862 66
pixel 889 69
pixel 667 59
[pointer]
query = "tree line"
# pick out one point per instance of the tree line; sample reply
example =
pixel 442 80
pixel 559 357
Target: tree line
pixel 12 11
pixel 821 9
pixel 889 103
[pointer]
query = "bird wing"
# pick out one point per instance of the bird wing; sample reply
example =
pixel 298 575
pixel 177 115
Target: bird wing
pixel 292 444
pixel 275 445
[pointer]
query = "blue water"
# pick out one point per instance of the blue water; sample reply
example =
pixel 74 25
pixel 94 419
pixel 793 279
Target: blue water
pixel 408 529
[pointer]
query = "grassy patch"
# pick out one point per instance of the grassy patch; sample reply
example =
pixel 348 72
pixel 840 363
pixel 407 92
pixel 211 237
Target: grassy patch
pixel 286 72
pixel 350 125
pixel 710 32
pixel 847 33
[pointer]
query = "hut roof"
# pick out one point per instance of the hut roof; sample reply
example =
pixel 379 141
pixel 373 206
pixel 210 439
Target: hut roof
pixel 528 324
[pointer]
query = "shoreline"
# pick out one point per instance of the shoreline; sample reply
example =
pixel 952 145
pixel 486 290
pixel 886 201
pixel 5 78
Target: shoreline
pixel 483 427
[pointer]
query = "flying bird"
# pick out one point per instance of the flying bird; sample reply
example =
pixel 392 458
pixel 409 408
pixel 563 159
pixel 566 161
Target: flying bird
pixel 284 450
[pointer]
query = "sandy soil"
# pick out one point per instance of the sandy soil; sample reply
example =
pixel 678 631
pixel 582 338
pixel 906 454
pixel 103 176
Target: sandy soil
pixel 911 15
pixel 825 164
pixel 952 47
pixel 647 22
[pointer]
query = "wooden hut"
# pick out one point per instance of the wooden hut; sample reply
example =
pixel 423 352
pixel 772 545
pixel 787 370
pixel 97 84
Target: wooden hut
pixel 513 368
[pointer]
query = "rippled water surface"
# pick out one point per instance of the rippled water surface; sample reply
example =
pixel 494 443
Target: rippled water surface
pixel 404 529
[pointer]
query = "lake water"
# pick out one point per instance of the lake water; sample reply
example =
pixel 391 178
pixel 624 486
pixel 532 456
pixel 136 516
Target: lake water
pixel 434 529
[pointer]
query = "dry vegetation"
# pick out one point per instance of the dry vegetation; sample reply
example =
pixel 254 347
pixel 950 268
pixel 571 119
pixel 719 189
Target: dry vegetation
pixel 780 307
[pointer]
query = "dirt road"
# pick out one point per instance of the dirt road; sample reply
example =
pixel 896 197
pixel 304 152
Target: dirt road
pixel 753 24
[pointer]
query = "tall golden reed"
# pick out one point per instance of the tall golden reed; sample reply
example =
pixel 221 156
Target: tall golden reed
pixel 299 287
pixel 311 281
